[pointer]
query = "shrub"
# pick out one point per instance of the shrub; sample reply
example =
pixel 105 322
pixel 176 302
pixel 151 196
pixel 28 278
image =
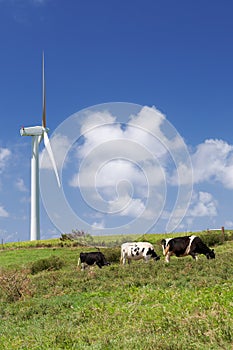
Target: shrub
pixel 52 263
pixel 229 236
pixel 112 255
pixel 211 239
pixel 15 285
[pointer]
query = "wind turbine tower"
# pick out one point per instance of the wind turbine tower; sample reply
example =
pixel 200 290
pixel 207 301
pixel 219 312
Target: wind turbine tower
pixel 38 133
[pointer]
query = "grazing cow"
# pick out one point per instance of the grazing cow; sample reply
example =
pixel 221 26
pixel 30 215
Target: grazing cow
pixel 187 245
pixel 137 251
pixel 92 258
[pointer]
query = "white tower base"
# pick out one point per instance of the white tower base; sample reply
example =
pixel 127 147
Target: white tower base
pixel 35 206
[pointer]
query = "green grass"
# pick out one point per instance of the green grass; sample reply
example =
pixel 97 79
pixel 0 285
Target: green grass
pixel 181 305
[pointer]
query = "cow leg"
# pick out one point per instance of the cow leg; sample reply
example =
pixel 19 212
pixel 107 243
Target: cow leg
pixel 123 259
pixel 83 265
pixel 167 257
pixel 166 250
pixel 99 265
pixel 146 258
pixel 193 255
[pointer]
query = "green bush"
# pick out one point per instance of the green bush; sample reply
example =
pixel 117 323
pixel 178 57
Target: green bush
pixel 52 263
pixel 229 236
pixel 112 255
pixel 211 239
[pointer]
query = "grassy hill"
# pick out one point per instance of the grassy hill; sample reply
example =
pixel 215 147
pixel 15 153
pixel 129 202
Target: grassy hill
pixel 46 302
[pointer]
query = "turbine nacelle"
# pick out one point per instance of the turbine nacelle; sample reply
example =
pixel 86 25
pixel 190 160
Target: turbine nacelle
pixel 33 131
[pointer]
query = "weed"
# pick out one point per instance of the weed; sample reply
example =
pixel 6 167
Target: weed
pixel 14 285
pixel 52 263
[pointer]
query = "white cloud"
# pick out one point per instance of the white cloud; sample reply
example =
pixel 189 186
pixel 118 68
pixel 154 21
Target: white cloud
pixel 97 119
pixel 98 224
pixel 101 128
pixel 149 119
pixel 203 204
pixel 112 153
pixel 114 172
pixel 137 156
pixel 3 212
pixel 213 162
pixel 182 175
pixel 127 206
pixel 5 154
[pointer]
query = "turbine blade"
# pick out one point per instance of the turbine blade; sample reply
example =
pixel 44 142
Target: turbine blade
pixel 43 95
pixel 50 152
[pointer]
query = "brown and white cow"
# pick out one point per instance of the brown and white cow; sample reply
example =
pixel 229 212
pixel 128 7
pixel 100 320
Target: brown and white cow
pixel 136 251
pixel 187 245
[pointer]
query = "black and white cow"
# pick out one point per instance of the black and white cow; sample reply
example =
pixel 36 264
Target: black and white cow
pixel 92 258
pixel 136 251
pixel 187 245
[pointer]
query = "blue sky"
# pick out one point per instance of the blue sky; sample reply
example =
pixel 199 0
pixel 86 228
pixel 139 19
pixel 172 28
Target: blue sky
pixel 174 55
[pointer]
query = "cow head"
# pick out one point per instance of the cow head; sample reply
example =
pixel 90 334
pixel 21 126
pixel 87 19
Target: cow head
pixel 105 262
pixel 153 254
pixel 210 254
pixel 157 258
pixel 163 242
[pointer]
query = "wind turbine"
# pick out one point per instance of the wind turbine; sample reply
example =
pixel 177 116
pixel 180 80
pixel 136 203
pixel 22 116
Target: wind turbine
pixel 38 133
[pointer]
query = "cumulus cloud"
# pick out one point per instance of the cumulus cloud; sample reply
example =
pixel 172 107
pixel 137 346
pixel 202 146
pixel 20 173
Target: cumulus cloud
pixel 203 204
pixel 141 143
pixel 111 173
pixel 120 167
pixel 127 206
pixel 139 153
pixel 213 162
pixel 143 129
